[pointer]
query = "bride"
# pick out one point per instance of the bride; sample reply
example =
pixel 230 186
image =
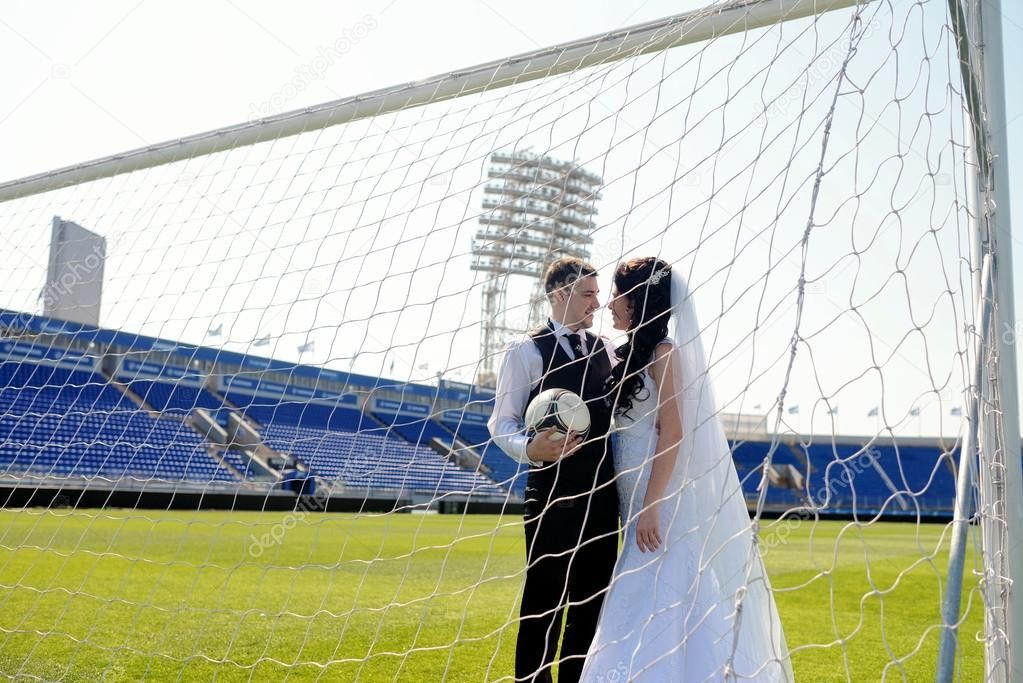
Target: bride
pixel 690 600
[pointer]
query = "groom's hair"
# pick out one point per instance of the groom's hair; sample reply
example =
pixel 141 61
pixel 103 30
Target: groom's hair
pixel 566 271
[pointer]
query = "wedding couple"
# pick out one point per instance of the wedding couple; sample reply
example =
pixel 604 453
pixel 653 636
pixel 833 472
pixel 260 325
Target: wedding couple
pixel 687 599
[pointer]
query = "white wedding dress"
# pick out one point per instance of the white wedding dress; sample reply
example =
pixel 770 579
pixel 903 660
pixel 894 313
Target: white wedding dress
pixel 670 614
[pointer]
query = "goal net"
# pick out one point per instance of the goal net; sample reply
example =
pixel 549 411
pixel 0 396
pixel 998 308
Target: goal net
pixel 244 397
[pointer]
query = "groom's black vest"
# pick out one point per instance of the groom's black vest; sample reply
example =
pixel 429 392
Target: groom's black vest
pixel 591 467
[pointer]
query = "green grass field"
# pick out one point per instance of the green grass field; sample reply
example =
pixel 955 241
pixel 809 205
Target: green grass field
pixel 128 595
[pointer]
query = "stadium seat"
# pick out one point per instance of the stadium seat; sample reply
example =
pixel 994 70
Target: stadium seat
pixel 60 422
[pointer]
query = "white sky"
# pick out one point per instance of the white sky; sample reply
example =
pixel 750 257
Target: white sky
pixel 87 81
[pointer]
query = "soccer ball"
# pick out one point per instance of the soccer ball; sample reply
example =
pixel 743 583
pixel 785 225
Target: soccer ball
pixel 558 408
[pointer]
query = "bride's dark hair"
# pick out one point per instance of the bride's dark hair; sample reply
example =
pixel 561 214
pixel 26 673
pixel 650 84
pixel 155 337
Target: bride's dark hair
pixel 646 284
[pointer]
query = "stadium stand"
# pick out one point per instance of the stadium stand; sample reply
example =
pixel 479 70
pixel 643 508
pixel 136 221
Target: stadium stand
pixel 471 427
pixel 63 414
pixel 340 443
pixel 180 397
pixel 64 422
pixel 410 421
pixel 854 477
pixel 849 477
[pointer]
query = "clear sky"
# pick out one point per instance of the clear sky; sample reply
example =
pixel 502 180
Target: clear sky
pixel 84 81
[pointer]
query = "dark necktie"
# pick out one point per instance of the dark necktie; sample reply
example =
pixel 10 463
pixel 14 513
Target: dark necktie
pixel 576 343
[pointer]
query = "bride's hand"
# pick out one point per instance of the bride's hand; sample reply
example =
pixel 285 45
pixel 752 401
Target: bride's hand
pixel 648 534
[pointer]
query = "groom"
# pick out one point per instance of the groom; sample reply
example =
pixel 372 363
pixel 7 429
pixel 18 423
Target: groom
pixel 571 508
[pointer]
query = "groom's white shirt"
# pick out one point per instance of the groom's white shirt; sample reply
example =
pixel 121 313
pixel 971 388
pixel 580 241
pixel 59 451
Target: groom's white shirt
pixel 521 370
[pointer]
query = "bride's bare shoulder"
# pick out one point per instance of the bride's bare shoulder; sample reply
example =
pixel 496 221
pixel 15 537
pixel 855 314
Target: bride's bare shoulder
pixel 663 353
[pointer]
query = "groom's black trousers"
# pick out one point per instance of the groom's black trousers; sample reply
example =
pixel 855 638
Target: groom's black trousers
pixel 571 523
pixel 571 549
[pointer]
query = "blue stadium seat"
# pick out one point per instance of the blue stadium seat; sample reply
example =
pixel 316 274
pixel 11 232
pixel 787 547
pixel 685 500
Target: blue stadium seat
pixel 415 430
pixel 374 461
pixel 60 422
pixel 243 465
pixel 266 410
pixel 748 457
pixel 902 480
pixel 340 443
pixel 166 396
pixel 503 469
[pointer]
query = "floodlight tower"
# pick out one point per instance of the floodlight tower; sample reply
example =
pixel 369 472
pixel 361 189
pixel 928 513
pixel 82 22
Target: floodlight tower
pixel 535 209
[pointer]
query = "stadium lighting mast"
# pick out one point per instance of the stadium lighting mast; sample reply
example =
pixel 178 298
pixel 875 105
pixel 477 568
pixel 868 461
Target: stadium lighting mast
pixel 535 209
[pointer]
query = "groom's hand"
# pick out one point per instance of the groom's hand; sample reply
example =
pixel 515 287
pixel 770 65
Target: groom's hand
pixel 550 445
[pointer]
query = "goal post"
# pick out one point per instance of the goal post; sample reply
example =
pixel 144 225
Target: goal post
pixel 1000 473
pixel 682 29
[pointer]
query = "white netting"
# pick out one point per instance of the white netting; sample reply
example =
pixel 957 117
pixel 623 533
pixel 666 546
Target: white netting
pixel 308 307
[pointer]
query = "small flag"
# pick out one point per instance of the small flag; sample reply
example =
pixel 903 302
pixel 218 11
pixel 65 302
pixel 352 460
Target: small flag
pixel 262 341
pixel 308 346
pixel 793 410
pixel 423 366
pixel 914 411
pixel 873 412
pixel 215 331
pixel 756 407
pixel 956 412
